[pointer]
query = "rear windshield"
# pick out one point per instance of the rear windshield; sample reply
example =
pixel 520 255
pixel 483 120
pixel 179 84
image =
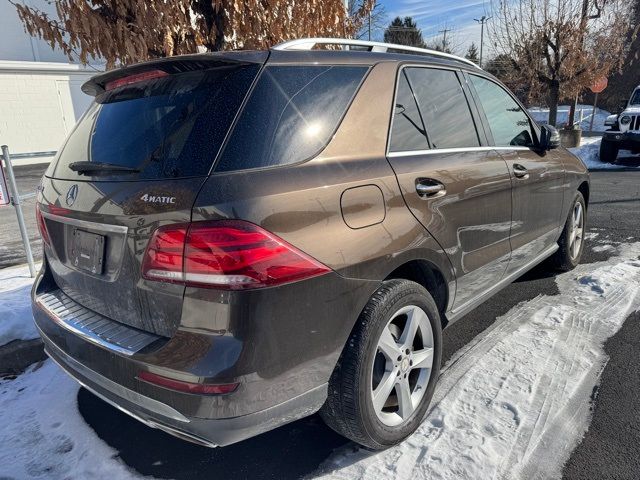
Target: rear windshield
pixel 170 127
pixel 291 115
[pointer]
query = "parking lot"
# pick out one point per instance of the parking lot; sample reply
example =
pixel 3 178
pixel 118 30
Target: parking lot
pixel 307 448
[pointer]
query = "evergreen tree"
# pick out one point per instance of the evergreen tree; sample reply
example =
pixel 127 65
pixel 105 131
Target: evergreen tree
pixel 473 54
pixel 404 32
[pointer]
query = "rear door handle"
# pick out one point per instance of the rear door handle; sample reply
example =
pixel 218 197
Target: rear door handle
pixel 519 171
pixel 427 187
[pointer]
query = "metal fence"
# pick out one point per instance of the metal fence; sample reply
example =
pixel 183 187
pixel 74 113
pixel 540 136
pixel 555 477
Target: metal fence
pixel 9 194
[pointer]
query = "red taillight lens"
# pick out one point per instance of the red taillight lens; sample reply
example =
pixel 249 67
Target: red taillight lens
pixel 181 386
pixel 164 257
pixel 136 78
pixel 42 226
pixel 226 254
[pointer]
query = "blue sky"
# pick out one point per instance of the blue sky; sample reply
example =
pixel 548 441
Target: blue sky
pixel 434 15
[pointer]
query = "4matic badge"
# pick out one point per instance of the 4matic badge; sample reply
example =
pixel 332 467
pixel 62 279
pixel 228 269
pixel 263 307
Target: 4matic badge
pixel 158 199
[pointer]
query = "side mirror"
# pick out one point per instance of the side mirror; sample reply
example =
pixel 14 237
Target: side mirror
pixel 549 137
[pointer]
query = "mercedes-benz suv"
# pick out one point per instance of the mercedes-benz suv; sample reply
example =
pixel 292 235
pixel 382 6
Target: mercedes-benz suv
pixel 233 241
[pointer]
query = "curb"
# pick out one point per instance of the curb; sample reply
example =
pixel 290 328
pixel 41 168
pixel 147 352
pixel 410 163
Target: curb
pixel 17 355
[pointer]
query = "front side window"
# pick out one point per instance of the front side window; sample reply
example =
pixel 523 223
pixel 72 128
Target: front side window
pixel 509 124
pixel 444 108
pixel 407 132
pixel 291 115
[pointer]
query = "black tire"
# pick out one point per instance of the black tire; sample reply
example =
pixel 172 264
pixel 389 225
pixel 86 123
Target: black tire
pixel 608 151
pixel 563 260
pixel 349 408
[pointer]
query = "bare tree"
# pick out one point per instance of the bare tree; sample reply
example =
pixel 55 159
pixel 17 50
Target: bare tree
pixel 559 48
pixel 128 31
pixel 373 24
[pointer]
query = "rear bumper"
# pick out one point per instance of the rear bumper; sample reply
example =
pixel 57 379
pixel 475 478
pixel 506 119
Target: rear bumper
pixel 206 432
pixel 281 358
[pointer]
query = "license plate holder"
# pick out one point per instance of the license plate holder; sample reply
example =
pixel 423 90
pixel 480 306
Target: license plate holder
pixel 87 251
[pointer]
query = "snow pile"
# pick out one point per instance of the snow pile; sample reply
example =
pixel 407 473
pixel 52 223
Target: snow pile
pixel 541 115
pixel 16 321
pixel 44 436
pixel 589 153
pixel 515 402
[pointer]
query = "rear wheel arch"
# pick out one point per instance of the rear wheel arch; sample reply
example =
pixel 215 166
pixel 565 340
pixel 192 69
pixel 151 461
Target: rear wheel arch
pixel 430 277
pixel 584 190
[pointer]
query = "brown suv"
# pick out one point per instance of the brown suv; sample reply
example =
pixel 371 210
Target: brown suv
pixel 237 240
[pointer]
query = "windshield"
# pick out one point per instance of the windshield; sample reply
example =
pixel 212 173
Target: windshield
pixel 635 98
pixel 171 127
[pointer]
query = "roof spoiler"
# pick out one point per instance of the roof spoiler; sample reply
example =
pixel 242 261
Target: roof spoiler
pixel 172 65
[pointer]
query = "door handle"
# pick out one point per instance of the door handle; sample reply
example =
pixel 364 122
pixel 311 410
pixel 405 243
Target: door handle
pixel 519 171
pixel 429 188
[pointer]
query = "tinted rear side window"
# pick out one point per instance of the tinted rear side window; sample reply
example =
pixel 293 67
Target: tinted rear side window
pixel 170 127
pixel 444 108
pixel 407 132
pixel 291 115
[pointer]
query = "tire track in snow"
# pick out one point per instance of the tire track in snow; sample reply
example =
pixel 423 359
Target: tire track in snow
pixel 515 401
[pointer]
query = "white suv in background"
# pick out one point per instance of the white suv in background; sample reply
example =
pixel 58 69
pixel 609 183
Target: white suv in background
pixel 624 133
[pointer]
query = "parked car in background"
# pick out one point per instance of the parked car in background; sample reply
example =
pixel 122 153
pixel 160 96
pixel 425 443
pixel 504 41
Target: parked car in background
pixel 624 131
pixel 237 240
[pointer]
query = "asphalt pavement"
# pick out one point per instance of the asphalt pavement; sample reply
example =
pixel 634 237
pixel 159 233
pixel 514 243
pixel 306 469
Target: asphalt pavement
pixel 608 450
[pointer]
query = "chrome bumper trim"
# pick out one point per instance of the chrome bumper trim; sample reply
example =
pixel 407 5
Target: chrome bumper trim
pixel 93 327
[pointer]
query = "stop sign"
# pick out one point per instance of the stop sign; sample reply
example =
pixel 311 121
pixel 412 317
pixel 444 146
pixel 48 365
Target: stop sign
pixel 599 85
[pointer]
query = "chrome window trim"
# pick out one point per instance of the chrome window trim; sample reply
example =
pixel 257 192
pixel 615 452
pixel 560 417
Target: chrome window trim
pixel 104 227
pixel 408 153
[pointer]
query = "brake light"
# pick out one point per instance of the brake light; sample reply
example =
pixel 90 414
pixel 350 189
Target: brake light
pixel 42 226
pixel 136 78
pixel 188 387
pixel 225 254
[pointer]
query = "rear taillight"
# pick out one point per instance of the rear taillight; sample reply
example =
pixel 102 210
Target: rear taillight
pixel 42 226
pixel 187 387
pixel 225 254
pixel 135 78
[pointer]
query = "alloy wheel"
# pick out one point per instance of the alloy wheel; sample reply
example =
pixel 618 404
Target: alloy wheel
pixel 402 365
pixel 577 230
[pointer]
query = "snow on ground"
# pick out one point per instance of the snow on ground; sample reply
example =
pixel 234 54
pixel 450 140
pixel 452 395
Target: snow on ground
pixel 589 152
pixel 541 115
pixel 43 436
pixel 515 401
pixel 16 321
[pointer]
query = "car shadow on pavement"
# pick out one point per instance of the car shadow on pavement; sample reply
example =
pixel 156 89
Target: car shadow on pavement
pixel 292 451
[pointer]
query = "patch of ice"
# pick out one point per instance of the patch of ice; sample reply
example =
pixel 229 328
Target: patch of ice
pixel 603 248
pixel 44 436
pixel 591 235
pixel 16 320
pixel 515 402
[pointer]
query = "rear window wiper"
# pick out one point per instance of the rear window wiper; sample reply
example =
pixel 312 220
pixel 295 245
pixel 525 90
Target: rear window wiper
pixel 95 167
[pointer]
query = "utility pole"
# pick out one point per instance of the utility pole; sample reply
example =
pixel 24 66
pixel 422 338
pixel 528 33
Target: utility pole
pixel 482 20
pixel 369 26
pixel 444 38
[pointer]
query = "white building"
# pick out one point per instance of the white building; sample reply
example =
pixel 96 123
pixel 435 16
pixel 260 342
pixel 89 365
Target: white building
pixel 40 96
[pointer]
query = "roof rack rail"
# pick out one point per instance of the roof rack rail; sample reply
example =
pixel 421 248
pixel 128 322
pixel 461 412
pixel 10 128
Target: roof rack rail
pixel 309 43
